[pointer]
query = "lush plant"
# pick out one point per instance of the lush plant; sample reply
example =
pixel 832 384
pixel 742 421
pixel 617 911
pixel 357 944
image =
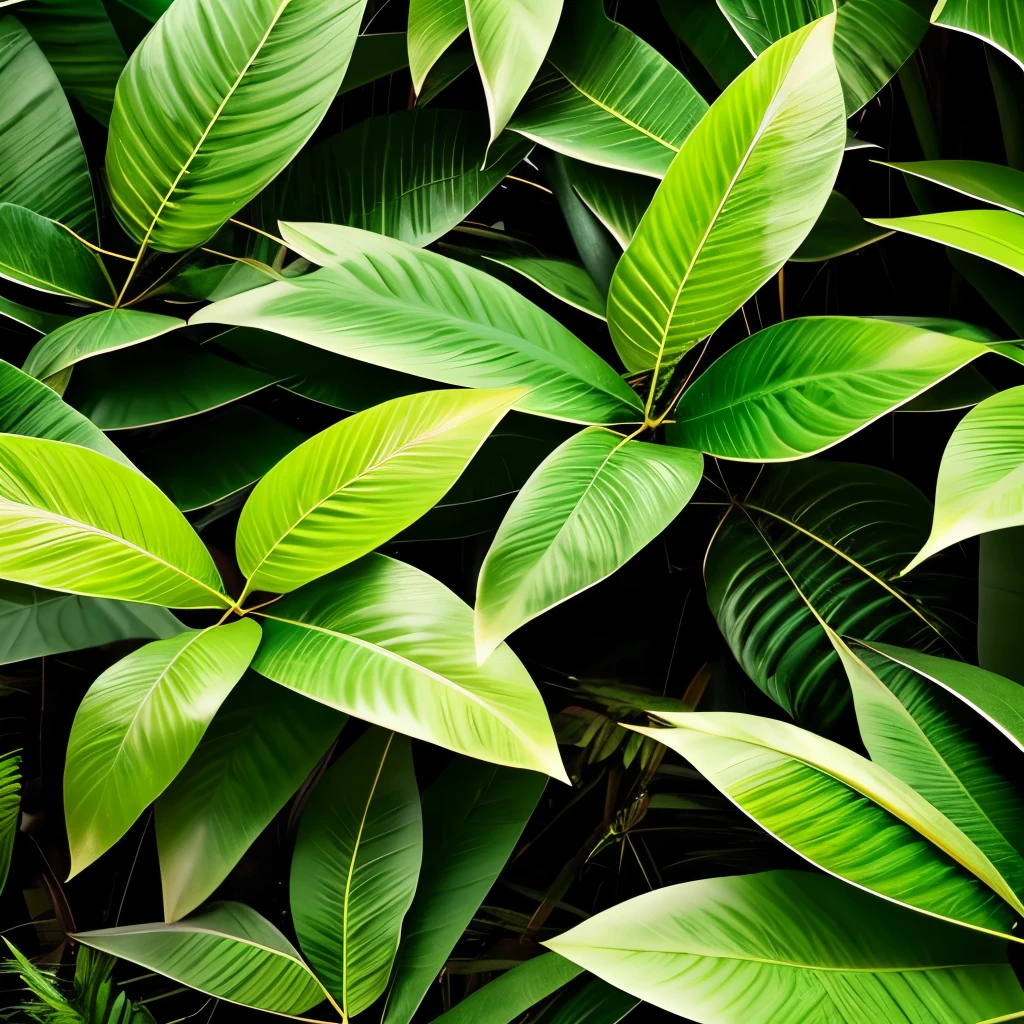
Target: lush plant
pixel 445 369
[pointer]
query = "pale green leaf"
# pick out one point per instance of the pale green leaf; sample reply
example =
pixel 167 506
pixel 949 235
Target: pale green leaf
pixel 433 26
pixel 383 620
pixel 590 506
pixel 999 22
pixel 356 863
pixel 991 183
pixel 137 726
pixel 567 281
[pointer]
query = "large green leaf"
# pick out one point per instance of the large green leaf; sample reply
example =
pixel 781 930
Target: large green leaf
pixel 161 381
pixel 94 335
pixel 801 386
pixel 383 620
pixel 1001 602
pixel 510 40
pixel 617 199
pixel 873 37
pixel 991 183
pixel 388 303
pixel 354 870
pixel 412 175
pixel 258 749
pixel 564 279
pixel 614 100
pixel 747 186
pixel 786 946
pixel 844 814
pixel 34 410
pixel 228 951
pixel 36 623
pixel 82 47
pixel 981 476
pixel 1000 22
pixel 355 485
pixel 587 510
pixel 593 1002
pixel 709 36
pixel 809 532
pixel 473 816
pixel 433 26
pixel 40 254
pixel 77 521
pixel 44 167
pixel 138 725
pixel 375 55
pixel 10 810
pixel 204 120
pixel 994 235
pixel 840 229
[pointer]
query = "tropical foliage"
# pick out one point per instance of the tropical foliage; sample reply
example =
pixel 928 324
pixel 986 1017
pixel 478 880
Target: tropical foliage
pixel 466 495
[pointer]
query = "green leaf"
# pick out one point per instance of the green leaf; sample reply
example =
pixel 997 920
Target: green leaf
pixel 746 188
pixel 32 409
pixel 994 235
pixel 41 254
pixel 451 65
pixel 873 37
pixel 203 121
pixel 159 382
pixel 510 40
pixel 412 175
pixel 44 167
pixel 82 47
pixel 565 280
pixel 138 725
pixel 617 199
pixel 36 623
pixel 384 620
pixel 801 386
pixel 354 870
pixel 613 100
pixel 257 751
pixel 960 390
pixel 93 335
pixel 10 810
pixel 840 229
pixel 396 306
pixel 981 479
pixel 506 998
pixel 203 461
pixel 76 521
pixel 593 1002
pixel 35 319
pixel 375 55
pixel 355 485
pixel 590 507
pixel 991 183
pixel 1001 602
pixel 844 814
pixel 996 21
pixel 228 951
pixel 808 532
pixel 473 816
pixel 788 946
pixel 433 26
pixel 709 36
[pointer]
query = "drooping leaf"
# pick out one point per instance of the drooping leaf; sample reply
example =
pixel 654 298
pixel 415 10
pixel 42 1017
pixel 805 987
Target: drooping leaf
pixel 412 175
pixel 844 814
pixel 76 521
pixel 997 21
pixel 40 254
pixel 44 167
pixel 382 620
pixel 35 319
pixel 1001 602
pixel 590 506
pixel 36 623
pixel 433 26
pixel 82 47
pixel 356 863
pixel 613 100
pixel 708 34
pixel 94 335
pixel 593 1002
pixel 510 40
pixel 809 532
pixel 10 809
pixel 375 55
pixel 618 200
pixel 790 945
pixel 203 120
pixel 259 747
pixel 355 485
pixel 840 229
pixel 746 188
pixel 473 816
pixel 981 477
pixel 991 183
pixel 138 725
pixel 873 37
pixel 564 279
pixel 387 303
pixel 801 386
pixel 227 951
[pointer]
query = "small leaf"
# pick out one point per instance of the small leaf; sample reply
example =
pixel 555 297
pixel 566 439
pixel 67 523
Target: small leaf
pixel 10 809
pixel 433 26
pixel 840 229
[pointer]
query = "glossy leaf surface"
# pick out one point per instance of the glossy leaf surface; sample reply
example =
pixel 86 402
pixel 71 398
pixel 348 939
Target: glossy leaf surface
pixel 618 200
pixel 991 183
pixel 382 620
pixel 433 26
pixel 998 22
pixel 564 279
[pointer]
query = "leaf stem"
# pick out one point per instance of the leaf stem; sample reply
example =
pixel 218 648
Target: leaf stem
pixel 260 231
pixel 95 248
